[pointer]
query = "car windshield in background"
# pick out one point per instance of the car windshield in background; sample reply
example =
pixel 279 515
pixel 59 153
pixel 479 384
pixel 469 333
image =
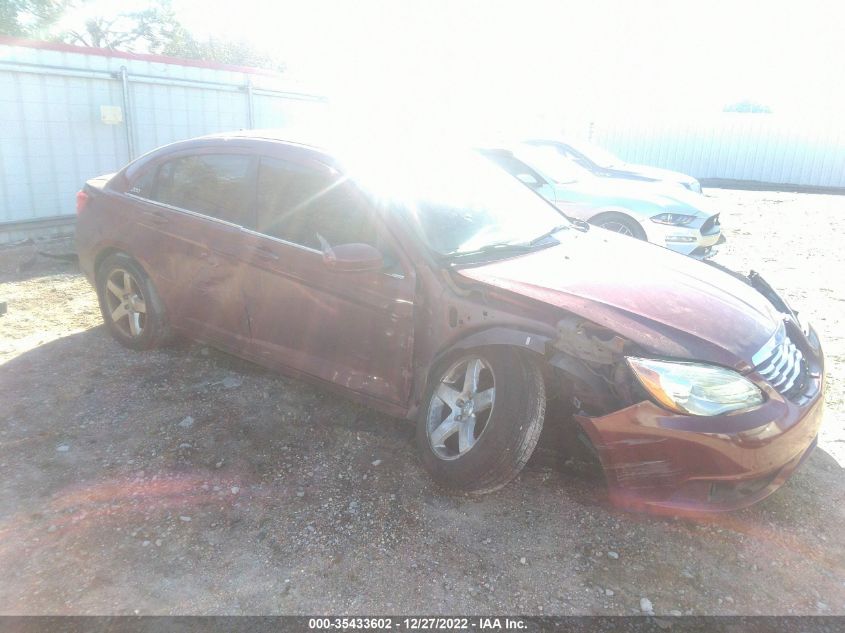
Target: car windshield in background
pixel 553 164
pixel 599 155
pixel 462 204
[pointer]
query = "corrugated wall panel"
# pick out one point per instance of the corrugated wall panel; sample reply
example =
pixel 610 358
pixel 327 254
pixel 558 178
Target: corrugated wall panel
pixel 272 112
pixel 164 114
pixel 52 137
pixel 750 147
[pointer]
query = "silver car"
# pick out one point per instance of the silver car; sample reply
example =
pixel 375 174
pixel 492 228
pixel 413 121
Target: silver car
pixel 669 215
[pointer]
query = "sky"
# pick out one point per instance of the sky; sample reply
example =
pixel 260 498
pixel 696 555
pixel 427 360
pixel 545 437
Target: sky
pixel 522 60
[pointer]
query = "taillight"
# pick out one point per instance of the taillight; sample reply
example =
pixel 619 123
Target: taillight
pixel 82 199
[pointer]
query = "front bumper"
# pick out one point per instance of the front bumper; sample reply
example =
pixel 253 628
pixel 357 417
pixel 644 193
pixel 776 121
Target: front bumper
pixel 657 460
pixel 698 239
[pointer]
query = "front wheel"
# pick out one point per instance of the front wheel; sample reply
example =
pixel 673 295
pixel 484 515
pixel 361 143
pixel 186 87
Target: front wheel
pixel 619 223
pixel 483 416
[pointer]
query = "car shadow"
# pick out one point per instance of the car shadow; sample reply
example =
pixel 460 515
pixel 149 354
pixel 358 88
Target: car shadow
pixel 87 376
pixel 196 468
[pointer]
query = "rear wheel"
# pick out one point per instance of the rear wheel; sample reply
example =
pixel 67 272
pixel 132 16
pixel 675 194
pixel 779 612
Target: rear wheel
pixel 483 416
pixel 131 307
pixel 619 223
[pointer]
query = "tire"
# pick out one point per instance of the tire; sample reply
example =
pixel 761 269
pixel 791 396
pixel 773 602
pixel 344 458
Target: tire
pixel 491 444
pixel 619 223
pixel 132 309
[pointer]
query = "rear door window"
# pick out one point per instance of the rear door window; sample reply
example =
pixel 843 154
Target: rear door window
pixel 144 183
pixel 217 185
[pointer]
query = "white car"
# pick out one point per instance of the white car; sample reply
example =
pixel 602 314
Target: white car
pixel 667 214
pixel 605 164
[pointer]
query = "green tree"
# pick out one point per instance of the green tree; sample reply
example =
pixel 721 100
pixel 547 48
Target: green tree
pixel 157 30
pixel 220 50
pixel 30 18
pixel 132 31
pixel 154 29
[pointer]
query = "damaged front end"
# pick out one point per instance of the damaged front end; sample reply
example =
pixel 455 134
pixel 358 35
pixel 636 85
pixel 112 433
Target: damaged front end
pixel 656 458
pixel 593 377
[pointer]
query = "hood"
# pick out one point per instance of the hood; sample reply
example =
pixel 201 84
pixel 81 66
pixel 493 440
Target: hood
pixel 637 193
pixel 654 172
pixel 668 304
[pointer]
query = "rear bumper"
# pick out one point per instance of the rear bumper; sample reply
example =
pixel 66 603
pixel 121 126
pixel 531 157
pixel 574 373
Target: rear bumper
pixel 85 251
pixel 657 460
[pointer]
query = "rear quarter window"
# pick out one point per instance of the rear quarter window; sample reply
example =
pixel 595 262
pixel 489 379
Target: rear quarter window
pixel 142 186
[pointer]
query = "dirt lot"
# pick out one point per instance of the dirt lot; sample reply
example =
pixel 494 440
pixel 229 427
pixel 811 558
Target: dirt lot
pixel 184 481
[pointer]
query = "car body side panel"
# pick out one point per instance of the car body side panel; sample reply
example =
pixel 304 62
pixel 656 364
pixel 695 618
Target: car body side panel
pixel 449 321
pixel 217 302
pixel 354 329
pixel 154 237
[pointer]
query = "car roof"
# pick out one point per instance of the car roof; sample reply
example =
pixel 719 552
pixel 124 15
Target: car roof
pixel 294 136
pixel 297 138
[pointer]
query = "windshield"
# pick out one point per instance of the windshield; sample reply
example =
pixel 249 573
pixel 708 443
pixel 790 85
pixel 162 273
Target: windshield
pixel 461 203
pixel 599 155
pixel 553 164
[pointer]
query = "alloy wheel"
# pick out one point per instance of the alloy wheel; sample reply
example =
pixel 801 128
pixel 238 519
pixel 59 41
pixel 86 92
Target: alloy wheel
pixel 125 300
pixel 460 407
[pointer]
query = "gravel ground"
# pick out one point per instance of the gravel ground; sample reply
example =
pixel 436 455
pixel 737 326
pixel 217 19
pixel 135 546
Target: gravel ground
pixel 185 481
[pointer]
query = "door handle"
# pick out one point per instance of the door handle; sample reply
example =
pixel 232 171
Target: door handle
pixel 263 253
pixel 206 257
pixel 160 218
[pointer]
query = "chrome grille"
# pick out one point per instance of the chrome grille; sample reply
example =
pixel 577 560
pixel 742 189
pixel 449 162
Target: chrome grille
pixel 782 365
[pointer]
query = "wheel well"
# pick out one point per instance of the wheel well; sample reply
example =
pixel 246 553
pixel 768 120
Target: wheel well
pixel 108 252
pixel 605 215
pixel 101 256
pixel 611 214
pixel 451 355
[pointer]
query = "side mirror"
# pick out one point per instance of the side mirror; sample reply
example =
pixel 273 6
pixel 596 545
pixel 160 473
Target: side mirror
pixel 352 258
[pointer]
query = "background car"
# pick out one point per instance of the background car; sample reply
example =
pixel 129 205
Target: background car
pixel 600 162
pixel 667 215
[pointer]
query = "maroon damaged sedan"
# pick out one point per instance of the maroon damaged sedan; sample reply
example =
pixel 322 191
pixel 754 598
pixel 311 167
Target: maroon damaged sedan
pixel 434 287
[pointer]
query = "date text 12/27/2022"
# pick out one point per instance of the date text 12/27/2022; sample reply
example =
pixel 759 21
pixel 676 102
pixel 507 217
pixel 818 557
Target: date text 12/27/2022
pixel 417 623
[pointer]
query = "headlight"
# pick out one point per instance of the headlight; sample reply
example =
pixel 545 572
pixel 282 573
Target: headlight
pixel 675 219
pixel 695 389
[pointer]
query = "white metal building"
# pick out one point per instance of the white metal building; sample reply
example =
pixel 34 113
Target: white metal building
pixel 68 113
pixel 793 152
